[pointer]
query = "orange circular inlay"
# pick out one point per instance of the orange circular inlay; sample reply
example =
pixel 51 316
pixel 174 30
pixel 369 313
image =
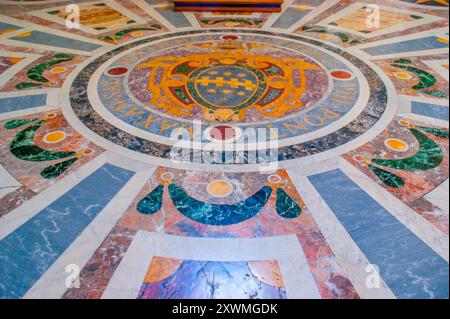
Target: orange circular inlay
pixel 219 188
pixel 50 115
pixel 88 151
pixel 137 34
pixel 402 75
pixel 396 144
pixel 54 137
pixel 59 69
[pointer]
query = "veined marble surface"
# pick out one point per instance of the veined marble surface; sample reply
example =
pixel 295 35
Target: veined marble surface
pixel 129 164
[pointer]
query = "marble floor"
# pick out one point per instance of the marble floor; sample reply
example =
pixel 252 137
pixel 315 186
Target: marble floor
pixel 147 153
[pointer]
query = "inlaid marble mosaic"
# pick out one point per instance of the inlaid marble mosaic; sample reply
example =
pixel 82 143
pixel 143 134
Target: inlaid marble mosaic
pixel 130 166
pixel 338 102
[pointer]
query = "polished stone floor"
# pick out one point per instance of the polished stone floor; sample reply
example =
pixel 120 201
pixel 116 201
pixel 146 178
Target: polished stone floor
pixel 147 153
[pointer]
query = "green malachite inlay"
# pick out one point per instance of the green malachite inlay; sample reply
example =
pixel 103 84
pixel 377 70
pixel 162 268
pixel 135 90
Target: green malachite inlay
pixel 151 203
pixel 402 61
pixel 390 179
pixel 286 207
pixel 36 73
pixel 17 123
pixel 434 131
pixel 215 214
pixel 426 79
pixel 273 70
pixel 436 93
pixel 428 157
pixel 24 148
pixel 26 85
pixel 183 69
pixel 57 169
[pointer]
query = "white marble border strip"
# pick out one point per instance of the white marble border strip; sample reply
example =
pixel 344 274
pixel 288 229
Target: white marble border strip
pixel 274 16
pixel 28 209
pixel 423 229
pixel 53 283
pixel 314 12
pixel 149 9
pixel 24 112
pixel 439 197
pixel 10 20
pixel 127 280
pixel 426 18
pixel 121 161
pixel 8 183
pixel 348 255
pixel 43 14
pixel 437 65
pixel 10 72
pixel 426 119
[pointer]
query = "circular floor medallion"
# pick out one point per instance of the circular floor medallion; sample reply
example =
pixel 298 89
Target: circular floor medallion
pixel 305 95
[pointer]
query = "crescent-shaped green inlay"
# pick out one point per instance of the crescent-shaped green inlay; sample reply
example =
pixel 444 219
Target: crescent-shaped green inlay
pixel 151 203
pixel 286 207
pixel 216 214
pixel 57 169
pixel 426 79
pixel 441 133
pixel 428 157
pixel 36 73
pixel 24 148
pixel 388 178
pixel 17 123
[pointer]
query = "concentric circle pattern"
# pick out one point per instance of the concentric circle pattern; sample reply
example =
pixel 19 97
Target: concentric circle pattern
pixel 151 153
pixel 301 94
